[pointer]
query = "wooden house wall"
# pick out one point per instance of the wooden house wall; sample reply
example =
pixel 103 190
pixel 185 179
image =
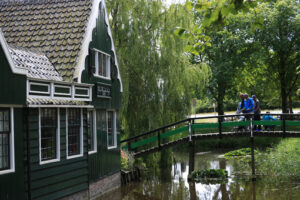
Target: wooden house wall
pixel 12 86
pixel 105 161
pixel 58 179
pixel 12 185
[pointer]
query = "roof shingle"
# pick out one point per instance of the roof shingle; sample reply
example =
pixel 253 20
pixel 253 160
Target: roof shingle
pixel 54 27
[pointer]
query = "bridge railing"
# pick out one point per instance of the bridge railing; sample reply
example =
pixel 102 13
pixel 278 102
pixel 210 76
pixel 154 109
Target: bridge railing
pixel 184 130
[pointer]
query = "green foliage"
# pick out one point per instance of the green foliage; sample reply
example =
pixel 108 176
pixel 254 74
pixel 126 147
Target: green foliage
pixel 210 175
pixel 280 43
pixel 281 161
pixel 127 160
pixel 239 153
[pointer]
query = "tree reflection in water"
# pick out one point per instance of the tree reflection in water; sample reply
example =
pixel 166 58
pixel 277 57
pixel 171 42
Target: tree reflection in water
pixel 170 183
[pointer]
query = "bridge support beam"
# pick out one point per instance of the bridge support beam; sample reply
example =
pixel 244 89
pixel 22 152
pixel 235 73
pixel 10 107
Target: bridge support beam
pixel 252 151
pixel 191 156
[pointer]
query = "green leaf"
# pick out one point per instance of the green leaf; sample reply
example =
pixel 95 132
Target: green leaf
pixel 208 44
pixel 188 48
pixel 189 5
pixel 206 38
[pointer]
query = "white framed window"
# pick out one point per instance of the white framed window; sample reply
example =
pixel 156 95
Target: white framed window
pixel 102 64
pixel 111 129
pixel 74 133
pixel 49 135
pixel 7 154
pixel 92 134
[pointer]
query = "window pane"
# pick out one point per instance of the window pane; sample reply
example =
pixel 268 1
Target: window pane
pixel 104 65
pixel 91 142
pixel 101 121
pixel 1 126
pixel 100 63
pixel 6 116
pixel 4 139
pixel 48 134
pixel 74 124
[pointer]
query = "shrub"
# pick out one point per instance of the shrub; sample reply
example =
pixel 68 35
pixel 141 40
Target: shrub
pixel 127 160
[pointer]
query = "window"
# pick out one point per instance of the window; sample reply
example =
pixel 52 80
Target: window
pixel 102 63
pixel 111 130
pixel 6 140
pixel 91 125
pixel 49 135
pixel 74 136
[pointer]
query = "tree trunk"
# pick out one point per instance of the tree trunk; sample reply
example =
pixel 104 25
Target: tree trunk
pixel 220 102
pixel 290 104
pixel 283 92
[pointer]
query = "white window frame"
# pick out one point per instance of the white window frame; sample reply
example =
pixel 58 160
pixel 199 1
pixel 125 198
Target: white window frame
pixel 108 65
pixel 57 159
pixel 94 133
pixel 114 129
pixel 12 145
pixel 81 135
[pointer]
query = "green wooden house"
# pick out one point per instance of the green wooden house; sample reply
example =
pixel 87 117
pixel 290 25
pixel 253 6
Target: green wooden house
pixel 60 96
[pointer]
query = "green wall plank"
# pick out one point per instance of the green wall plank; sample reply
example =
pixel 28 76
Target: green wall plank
pixel 144 142
pixel 174 132
pixel 231 124
pixel 205 125
pixel 292 123
pixel 268 123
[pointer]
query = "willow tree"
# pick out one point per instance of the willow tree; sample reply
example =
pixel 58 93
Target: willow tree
pixel 155 71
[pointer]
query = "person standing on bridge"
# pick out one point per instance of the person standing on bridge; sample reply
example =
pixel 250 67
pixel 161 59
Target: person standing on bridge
pixel 256 112
pixel 241 105
pixel 249 105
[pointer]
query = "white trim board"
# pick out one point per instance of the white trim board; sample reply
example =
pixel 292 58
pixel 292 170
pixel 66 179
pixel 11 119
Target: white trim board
pixel 94 128
pixel 114 129
pixel 57 159
pixel 67 136
pixel 84 52
pixel 60 106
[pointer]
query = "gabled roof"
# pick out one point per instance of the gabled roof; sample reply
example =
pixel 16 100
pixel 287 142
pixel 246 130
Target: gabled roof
pixel 53 27
pixel 61 30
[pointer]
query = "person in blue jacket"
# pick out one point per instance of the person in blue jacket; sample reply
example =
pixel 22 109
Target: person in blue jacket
pixel 269 118
pixel 249 104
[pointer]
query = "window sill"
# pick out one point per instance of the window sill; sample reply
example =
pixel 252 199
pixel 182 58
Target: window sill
pixel 8 171
pixel 103 77
pixel 92 152
pixel 111 147
pixel 75 156
pixel 49 161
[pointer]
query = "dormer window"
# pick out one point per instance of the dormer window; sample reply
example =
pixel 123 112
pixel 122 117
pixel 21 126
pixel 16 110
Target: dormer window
pixel 102 64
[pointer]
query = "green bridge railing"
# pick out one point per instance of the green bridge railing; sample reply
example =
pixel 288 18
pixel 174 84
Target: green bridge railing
pixel 215 124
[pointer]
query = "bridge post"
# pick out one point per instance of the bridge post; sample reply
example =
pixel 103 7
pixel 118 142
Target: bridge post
pixel 129 146
pixel 191 156
pixel 283 126
pixel 158 138
pixel 190 132
pixel 252 150
pixel 220 126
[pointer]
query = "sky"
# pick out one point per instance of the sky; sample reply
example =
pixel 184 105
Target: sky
pixel 169 2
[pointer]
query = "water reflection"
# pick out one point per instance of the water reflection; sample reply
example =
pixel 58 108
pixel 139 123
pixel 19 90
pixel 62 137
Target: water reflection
pixel 170 183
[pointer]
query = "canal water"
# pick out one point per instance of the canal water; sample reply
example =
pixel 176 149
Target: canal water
pixel 172 183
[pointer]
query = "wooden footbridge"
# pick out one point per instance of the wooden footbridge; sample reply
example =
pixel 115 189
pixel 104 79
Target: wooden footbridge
pixel 191 129
pixel 215 127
